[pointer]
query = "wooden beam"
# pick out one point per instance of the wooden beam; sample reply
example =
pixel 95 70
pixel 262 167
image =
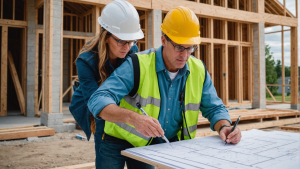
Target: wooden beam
pixel 13 23
pixel 277 31
pixel 294 65
pixel 34 132
pixel 136 3
pixel 14 9
pixel 4 49
pixel 39 3
pixel 228 14
pixel 284 8
pixel 16 81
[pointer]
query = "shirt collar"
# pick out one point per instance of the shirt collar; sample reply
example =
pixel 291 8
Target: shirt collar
pixel 160 62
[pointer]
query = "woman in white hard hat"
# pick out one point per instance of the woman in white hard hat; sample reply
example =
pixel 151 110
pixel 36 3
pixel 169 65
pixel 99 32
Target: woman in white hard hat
pixel 97 60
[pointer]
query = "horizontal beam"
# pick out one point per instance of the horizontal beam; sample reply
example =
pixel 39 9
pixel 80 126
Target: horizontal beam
pixel 228 42
pixel 277 31
pixel 225 13
pixel 77 35
pixel 13 23
pixel 136 3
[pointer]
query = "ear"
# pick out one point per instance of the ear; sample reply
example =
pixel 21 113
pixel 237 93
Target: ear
pixel 163 40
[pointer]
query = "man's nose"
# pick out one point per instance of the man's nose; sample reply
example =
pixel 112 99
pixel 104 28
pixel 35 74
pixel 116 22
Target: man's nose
pixel 185 53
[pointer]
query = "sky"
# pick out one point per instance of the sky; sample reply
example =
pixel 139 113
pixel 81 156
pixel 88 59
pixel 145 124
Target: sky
pixel 274 39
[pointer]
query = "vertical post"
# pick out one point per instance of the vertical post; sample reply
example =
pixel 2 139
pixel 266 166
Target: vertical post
pixel 250 73
pixel 14 9
pixel 261 6
pixel 226 3
pixel 237 4
pixel 239 77
pixel 282 65
pixel 294 68
pixel 4 32
pixel 296 3
pixel 225 73
pixel 36 75
pixel 284 8
pixel 71 64
pixel 259 93
pixel 96 15
pixel 1 9
pixel 146 30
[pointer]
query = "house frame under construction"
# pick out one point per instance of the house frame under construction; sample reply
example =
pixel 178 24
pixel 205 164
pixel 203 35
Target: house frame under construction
pixel 40 40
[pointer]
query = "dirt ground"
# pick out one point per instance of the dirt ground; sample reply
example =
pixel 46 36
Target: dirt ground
pixel 63 149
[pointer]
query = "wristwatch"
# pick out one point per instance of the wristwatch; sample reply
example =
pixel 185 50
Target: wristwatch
pixel 225 125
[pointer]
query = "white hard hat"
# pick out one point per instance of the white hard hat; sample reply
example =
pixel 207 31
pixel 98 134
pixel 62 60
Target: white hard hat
pixel 121 19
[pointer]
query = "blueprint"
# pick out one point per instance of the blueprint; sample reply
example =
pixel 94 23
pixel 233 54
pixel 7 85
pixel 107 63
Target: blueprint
pixel 257 149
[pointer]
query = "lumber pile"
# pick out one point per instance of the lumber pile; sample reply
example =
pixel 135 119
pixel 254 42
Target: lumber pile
pixel 24 132
pixel 252 119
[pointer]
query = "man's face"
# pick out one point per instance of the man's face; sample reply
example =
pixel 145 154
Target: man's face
pixel 174 60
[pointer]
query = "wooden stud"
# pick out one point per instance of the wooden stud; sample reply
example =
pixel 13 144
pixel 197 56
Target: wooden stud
pixel 282 63
pixel 4 40
pixel 36 77
pixel 294 65
pixel 1 9
pixel 48 33
pixel 237 4
pixel 16 82
pixel 62 56
pixel 71 64
pixel 284 8
pixel 14 9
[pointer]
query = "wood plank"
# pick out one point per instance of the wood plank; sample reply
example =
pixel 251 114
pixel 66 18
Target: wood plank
pixel 289 128
pixel 16 81
pixel 1 9
pixel 22 129
pixel 25 134
pixel 202 132
pixel 79 166
pixel 13 23
pixel 4 40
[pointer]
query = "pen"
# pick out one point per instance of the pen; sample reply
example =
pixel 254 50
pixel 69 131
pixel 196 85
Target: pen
pixel 143 111
pixel 237 121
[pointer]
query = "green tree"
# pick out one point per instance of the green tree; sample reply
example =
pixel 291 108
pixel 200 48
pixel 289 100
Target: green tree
pixel 287 71
pixel 278 68
pixel 271 74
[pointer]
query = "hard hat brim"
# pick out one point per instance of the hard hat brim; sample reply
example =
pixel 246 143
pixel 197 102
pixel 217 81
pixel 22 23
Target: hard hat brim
pixel 185 40
pixel 130 36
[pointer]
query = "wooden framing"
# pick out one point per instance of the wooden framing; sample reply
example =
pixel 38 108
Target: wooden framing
pixel 3 89
pixel 16 82
pixel 294 66
pixel 37 97
pixel 24 132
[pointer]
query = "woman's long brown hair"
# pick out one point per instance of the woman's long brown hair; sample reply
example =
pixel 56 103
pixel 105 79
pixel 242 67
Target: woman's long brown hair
pixel 99 40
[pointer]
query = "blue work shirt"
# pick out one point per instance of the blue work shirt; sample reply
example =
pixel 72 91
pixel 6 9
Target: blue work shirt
pixel 121 82
pixel 88 74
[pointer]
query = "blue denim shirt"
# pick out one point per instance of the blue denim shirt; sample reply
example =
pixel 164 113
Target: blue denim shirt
pixel 88 74
pixel 121 82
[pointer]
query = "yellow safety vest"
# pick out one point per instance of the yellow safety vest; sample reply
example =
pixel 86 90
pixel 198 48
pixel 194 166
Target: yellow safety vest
pixel 148 96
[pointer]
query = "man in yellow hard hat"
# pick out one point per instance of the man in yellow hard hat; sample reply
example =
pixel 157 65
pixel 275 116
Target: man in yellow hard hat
pixel 170 85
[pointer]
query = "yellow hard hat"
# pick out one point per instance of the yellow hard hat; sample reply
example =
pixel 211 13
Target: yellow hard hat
pixel 181 25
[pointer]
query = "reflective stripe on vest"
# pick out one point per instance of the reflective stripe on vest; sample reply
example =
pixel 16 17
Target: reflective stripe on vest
pixel 148 95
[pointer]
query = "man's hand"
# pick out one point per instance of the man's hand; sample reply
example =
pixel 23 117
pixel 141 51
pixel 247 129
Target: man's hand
pixel 233 138
pixel 148 126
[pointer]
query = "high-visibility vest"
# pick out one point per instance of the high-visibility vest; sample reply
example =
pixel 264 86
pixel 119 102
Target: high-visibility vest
pixel 148 95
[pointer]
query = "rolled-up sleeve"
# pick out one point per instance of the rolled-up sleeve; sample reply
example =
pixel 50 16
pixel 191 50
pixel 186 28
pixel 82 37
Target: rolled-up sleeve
pixel 113 89
pixel 211 105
